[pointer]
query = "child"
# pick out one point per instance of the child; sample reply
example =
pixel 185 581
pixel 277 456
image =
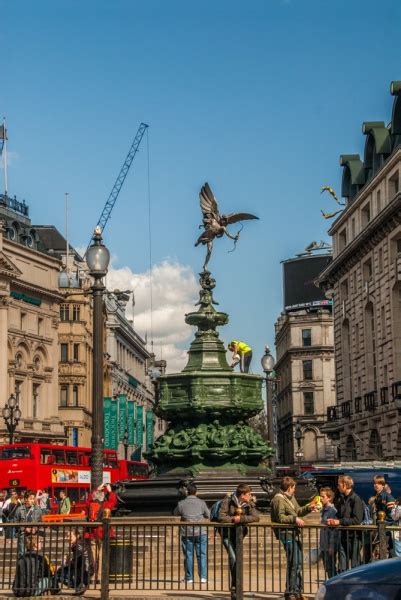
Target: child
pixel 329 537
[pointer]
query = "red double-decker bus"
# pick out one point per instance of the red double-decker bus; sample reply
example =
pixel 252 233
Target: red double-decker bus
pixel 133 469
pixel 56 468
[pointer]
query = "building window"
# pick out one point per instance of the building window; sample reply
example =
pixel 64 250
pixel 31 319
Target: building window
pixel 353 230
pixel 75 395
pixel 375 445
pixel 18 385
pixel 35 400
pixel 355 281
pixel 307 337
pixel 367 270
pixel 357 338
pixel 309 404
pixel 344 289
pixel 380 260
pixel 64 395
pixel 342 240
pixel 307 370
pixel 383 321
pixel 22 321
pixel 398 246
pixel 365 215
pixel 76 352
pixel 378 202
pixel 64 352
pixel 40 326
pixel 393 185
pixel 76 312
pixel 64 312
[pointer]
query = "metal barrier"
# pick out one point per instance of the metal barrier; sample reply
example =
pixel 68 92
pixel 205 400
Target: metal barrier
pixel 135 554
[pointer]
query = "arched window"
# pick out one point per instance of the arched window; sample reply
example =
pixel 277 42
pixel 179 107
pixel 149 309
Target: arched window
pixel 310 445
pixel 375 445
pixel 350 448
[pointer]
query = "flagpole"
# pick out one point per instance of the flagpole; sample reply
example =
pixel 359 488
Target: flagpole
pixel 5 157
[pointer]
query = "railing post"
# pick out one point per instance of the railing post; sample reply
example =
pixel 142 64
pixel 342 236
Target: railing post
pixel 238 593
pixel 381 527
pixel 104 578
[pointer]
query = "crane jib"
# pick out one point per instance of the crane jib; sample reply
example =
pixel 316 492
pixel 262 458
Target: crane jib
pixel 108 207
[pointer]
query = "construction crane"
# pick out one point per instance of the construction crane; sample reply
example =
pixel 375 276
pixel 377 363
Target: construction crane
pixel 108 207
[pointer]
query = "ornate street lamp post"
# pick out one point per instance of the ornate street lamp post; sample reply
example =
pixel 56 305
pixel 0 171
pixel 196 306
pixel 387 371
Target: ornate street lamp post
pixel 267 362
pixel 11 415
pixel 298 437
pixel 97 259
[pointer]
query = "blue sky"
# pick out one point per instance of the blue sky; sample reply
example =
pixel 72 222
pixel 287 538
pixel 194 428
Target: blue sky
pixel 259 98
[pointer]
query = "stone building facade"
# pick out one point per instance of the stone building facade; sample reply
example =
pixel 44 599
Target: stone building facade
pixel 29 313
pixel 127 373
pixel 74 338
pixel 364 280
pixel 305 383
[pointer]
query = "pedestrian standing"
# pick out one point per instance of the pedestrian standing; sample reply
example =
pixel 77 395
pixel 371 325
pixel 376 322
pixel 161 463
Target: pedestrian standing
pixel 28 512
pixel 42 497
pixel 64 507
pixel 9 511
pixel 384 502
pixel 350 511
pixel 193 538
pixel 239 508
pixel 99 500
pixel 286 511
pixel 329 536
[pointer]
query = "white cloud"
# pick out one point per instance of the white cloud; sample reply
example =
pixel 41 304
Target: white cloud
pixel 174 293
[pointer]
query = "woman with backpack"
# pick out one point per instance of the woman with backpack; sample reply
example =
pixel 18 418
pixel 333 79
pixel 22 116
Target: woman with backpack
pixel 34 574
pixel 78 566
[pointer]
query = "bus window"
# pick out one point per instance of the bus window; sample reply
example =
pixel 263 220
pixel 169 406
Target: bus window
pixel 45 456
pixel 83 494
pixel 16 452
pixel 59 457
pixel 72 457
pixel 137 470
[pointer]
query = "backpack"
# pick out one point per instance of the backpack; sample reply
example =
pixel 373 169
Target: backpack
pixel 215 510
pixel 95 512
pixel 367 516
pixel 26 576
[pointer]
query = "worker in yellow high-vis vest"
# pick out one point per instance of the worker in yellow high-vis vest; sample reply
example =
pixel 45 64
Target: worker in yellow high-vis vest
pixel 242 354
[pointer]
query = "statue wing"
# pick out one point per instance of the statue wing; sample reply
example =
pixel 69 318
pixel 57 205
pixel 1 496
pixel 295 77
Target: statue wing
pixel 235 217
pixel 208 201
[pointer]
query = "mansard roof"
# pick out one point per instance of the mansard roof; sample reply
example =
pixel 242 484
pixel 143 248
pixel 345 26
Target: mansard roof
pixel 381 141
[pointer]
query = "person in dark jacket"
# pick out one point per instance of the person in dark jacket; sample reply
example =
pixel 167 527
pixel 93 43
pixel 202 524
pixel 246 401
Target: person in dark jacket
pixel 28 512
pixel 237 508
pixel 329 536
pixel 79 564
pixel 193 537
pixel 33 573
pixel 349 508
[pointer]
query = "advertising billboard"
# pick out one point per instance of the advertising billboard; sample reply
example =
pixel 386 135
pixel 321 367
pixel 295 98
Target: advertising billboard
pixel 300 273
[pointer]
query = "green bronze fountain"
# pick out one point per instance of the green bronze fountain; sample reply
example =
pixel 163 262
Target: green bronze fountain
pixel 207 406
pixel 208 403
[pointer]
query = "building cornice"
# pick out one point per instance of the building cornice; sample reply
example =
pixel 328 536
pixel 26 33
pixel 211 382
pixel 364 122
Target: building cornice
pixel 36 289
pixel 374 233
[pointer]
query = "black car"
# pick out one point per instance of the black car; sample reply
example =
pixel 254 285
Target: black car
pixel 380 580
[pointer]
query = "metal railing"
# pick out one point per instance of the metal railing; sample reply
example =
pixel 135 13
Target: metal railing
pixel 138 555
